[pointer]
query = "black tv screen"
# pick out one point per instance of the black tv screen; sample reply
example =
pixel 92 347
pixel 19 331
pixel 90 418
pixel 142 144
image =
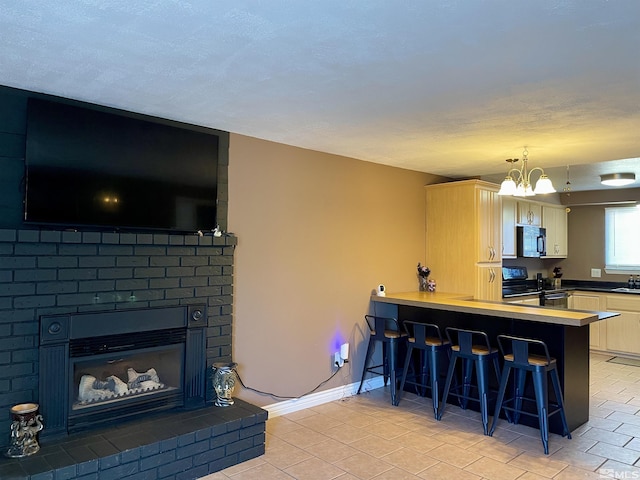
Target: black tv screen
pixel 89 167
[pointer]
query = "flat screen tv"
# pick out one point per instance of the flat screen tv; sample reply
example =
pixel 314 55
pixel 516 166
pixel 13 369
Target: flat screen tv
pixel 91 167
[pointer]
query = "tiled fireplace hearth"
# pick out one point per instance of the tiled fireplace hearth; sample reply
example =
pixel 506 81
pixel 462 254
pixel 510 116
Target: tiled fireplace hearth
pixel 52 274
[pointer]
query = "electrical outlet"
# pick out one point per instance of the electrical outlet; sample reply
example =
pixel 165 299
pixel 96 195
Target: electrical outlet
pixel 596 273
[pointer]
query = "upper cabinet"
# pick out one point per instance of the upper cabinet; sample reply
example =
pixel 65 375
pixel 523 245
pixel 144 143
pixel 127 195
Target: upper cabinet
pixel 464 237
pixel 509 216
pixel 529 213
pixel 489 222
pixel 554 220
pixel 521 212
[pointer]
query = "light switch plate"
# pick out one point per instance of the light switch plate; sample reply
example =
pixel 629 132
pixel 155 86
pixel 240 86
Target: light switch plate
pixel 596 273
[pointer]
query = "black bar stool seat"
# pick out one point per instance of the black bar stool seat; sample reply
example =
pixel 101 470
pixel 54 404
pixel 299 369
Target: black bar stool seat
pixel 474 349
pixel 529 355
pixel 385 330
pixel 426 338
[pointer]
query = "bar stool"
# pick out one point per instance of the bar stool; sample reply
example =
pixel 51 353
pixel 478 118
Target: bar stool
pixel 474 349
pixel 426 338
pixel 385 330
pixel 517 356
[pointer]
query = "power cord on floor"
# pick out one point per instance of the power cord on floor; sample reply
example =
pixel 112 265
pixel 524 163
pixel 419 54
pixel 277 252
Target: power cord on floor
pixel 286 397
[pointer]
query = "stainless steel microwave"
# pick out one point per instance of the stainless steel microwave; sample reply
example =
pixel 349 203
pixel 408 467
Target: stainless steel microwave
pixel 532 241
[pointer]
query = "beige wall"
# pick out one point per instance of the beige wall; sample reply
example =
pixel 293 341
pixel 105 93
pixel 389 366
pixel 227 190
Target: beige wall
pixel 316 234
pixel 586 244
pixel 586 231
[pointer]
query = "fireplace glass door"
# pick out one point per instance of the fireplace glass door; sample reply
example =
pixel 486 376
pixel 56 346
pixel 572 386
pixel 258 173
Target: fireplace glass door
pixel 112 385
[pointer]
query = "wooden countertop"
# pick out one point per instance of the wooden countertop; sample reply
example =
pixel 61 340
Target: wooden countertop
pixel 466 304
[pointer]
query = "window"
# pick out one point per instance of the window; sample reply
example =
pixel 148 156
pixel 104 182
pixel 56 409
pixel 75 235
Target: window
pixel 622 232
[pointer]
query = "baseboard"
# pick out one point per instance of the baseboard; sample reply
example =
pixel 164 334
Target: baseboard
pixel 315 399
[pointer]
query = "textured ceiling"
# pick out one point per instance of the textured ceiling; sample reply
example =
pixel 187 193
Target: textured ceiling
pixel 450 87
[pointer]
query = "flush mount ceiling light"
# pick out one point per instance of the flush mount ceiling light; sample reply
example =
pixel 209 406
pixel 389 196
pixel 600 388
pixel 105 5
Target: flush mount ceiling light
pixel 518 181
pixel 617 179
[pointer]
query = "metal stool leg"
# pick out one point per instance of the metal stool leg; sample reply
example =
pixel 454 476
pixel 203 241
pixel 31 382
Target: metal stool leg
pixel 518 388
pixel 555 381
pixel 447 384
pixel 504 380
pixel 466 381
pixel 542 404
pixel 393 352
pixel 483 391
pixel 367 359
pixel 433 374
pixel 407 360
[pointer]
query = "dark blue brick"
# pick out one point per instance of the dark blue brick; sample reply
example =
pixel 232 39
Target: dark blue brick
pixel 160 239
pixel 150 251
pixel 28 235
pixel 131 455
pixel 89 476
pixel 175 467
pixel 193 449
pixel 160 261
pixel 96 286
pixel 180 271
pixel 80 250
pixel 13 289
pixel 148 450
pixel 196 472
pixel 115 273
pixel 39 275
pixel 35 249
pixel 169 444
pixel 42 476
pixel 164 282
pixel 119 472
pixel 91 237
pixel 66 473
pixel 78 274
pixel 209 456
pixel 97 262
pixel 115 250
pixel 110 461
pixel 158 459
pixel 71 237
pixel 57 262
pixel 132 261
pixel 149 272
pixel 239 446
pixel 90 466
pixel 112 238
pixel 45 288
pixel 144 238
pixel 8 235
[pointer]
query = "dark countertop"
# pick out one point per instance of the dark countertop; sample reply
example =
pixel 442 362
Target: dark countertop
pixel 582 285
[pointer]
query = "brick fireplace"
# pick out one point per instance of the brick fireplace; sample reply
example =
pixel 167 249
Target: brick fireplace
pixel 48 273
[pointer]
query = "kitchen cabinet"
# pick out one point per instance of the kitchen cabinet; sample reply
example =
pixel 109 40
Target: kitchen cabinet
pixel 509 214
pixel 554 220
pixel 488 282
pixel 597 333
pixel 464 237
pixel 623 332
pixel 529 213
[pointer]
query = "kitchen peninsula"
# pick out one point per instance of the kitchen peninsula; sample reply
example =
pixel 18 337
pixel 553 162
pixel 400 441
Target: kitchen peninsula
pixel 566 333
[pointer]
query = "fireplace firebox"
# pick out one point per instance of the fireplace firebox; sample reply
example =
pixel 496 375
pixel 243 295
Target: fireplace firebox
pixel 106 367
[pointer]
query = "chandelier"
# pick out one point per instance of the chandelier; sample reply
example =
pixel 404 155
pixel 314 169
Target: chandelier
pixel 518 181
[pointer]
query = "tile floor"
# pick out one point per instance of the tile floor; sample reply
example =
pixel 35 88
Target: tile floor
pixel 363 437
